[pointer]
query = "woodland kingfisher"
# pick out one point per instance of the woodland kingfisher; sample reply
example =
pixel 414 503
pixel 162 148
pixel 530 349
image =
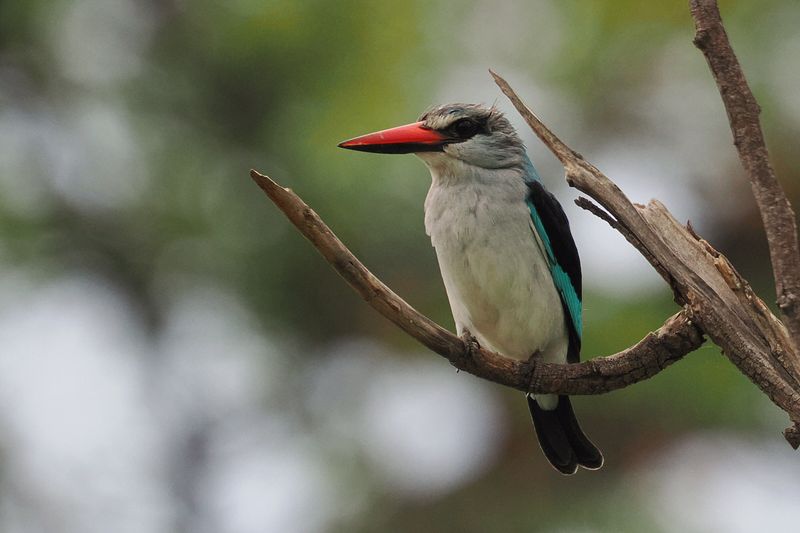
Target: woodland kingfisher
pixel 506 254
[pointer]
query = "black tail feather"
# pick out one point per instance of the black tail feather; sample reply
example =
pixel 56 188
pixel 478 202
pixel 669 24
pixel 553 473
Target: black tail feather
pixel 563 442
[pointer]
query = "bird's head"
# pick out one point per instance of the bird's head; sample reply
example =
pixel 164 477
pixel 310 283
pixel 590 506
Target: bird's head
pixel 451 135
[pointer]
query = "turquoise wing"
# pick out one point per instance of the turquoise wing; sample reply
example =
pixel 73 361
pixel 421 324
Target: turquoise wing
pixel 550 222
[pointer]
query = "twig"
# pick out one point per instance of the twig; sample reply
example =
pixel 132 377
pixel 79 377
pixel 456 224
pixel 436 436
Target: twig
pixel 743 111
pixel 588 205
pixel 677 337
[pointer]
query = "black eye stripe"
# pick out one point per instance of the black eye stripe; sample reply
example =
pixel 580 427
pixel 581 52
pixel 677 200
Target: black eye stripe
pixel 465 128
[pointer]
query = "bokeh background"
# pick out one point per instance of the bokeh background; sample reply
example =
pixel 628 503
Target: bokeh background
pixel 176 358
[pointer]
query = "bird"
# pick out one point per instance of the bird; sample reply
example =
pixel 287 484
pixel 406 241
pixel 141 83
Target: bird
pixel 506 254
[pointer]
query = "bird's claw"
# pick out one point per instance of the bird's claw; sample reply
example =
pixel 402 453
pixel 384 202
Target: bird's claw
pixel 530 368
pixel 533 358
pixel 471 344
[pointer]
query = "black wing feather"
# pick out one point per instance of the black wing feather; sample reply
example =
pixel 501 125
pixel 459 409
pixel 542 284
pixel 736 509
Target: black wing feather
pixel 556 225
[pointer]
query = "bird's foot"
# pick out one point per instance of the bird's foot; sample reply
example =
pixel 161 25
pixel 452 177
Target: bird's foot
pixel 471 345
pixel 535 356
pixel 530 369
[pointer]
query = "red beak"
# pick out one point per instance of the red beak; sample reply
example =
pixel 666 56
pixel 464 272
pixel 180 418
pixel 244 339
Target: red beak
pixel 406 139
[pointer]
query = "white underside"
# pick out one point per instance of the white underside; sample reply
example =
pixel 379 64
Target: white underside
pixel 493 266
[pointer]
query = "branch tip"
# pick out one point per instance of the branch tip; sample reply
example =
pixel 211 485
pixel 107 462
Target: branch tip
pixel 792 435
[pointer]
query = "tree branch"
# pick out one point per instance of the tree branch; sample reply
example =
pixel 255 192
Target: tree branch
pixel 716 300
pixel 720 301
pixel 677 337
pixel 743 112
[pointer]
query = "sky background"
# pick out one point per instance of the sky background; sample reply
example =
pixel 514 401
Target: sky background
pixel 176 358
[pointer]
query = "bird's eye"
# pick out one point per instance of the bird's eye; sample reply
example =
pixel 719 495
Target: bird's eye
pixel 465 128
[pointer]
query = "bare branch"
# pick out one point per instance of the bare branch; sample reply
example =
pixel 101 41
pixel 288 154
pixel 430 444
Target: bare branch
pixel 716 300
pixel 677 337
pixel 719 299
pixel 564 153
pixel 743 112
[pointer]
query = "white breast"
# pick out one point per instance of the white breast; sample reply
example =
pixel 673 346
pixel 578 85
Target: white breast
pixel 496 276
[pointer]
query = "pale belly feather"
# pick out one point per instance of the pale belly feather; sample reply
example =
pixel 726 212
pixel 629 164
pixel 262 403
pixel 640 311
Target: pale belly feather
pixel 496 277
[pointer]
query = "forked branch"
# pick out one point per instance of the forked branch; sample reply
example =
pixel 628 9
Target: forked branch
pixel 677 337
pixel 721 302
pixel 715 299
